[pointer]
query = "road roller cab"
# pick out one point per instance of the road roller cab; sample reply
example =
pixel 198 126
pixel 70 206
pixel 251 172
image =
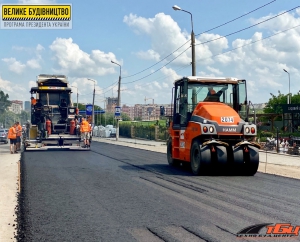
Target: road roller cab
pixel 210 128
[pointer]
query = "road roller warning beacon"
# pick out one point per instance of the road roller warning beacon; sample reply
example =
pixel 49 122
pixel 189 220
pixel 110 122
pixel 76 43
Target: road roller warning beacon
pixel 209 126
pixel 54 119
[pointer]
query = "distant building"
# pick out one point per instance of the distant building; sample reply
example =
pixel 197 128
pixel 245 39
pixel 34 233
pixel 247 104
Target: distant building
pixel 16 106
pixel 27 106
pixel 149 111
pixel 111 103
pixel 128 110
pixel 152 111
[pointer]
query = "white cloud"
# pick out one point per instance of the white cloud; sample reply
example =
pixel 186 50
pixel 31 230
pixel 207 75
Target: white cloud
pixel 5 86
pixel 32 84
pixel 166 37
pixel 14 65
pixel 148 55
pixel 214 70
pixel 13 89
pixel 260 63
pixel 170 75
pixel 141 24
pixel 75 62
pixel 39 47
pixel 165 34
pixel 157 89
pixel 33 63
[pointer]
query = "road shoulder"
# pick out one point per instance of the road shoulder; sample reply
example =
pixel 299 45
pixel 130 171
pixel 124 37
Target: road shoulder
pixel 9 164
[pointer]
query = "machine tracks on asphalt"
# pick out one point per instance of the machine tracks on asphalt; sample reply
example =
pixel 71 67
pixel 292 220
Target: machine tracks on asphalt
pixel 228 198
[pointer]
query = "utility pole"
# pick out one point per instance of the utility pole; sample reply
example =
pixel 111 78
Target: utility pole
pixel 93 114
pixel 289 95
pixel 289 101
pixel 119 100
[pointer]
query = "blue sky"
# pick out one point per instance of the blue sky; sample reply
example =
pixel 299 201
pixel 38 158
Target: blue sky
pixel 138 34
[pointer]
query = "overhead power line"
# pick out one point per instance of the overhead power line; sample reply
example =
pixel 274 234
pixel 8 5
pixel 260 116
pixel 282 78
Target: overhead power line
pixel 253 42
pixel 236 18
pixel 266 20
pixel 159 68
pixel 239 47
pixel 208 42
pixel 211 41
pixel 156 62
pixel 197 35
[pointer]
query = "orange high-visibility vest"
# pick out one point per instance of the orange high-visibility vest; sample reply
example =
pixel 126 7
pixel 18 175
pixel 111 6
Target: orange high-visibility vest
pixel 19 130
pixel 12 134
pixel 85 127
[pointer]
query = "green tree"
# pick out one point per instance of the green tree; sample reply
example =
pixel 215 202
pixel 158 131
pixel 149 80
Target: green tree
pixel 4 102
pixel 24 116
pixel 273 105
pixel 7 118
pixel 125 117
pixel 275 102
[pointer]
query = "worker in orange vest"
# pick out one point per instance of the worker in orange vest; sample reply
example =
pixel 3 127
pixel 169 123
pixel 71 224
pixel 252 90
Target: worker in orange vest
pixel 85 132
pixel 12 135
pixel 19 133
pixel 33 101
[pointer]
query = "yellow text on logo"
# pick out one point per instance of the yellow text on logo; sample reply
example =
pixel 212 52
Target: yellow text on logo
pixel 28 12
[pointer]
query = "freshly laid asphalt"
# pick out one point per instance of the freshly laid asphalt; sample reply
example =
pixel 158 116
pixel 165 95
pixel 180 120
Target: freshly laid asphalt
pixel 9 177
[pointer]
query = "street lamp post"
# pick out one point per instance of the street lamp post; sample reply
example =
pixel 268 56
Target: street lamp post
pixel 119 99
pixel 289 101
pixel 77 96
pixel 289 97
pixel 175 7
pixel 93 114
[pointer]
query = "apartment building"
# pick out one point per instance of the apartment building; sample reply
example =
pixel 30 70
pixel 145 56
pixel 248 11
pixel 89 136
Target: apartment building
pixel 16 106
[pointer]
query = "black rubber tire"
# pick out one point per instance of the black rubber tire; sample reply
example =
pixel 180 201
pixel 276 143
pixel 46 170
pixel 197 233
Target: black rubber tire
pixel 196 158
pixel 171 161
pixel 252 162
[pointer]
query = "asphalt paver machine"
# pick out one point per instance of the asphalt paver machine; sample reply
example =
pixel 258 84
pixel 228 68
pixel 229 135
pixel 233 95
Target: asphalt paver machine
pixel 53 116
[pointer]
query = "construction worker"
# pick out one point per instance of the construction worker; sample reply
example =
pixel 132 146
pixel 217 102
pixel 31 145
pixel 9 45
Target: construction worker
pixel 33 101
pixel 19 133
pixel 85 132
pixel 12 135
pixel 212 95
pixel 211 91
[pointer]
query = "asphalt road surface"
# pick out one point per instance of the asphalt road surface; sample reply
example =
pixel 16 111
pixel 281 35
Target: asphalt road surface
pixel 117 193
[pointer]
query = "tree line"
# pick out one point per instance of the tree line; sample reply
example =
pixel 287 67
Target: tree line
pixel 7 118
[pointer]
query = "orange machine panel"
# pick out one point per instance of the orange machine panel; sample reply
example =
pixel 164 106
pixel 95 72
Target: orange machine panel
pixel 215 111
